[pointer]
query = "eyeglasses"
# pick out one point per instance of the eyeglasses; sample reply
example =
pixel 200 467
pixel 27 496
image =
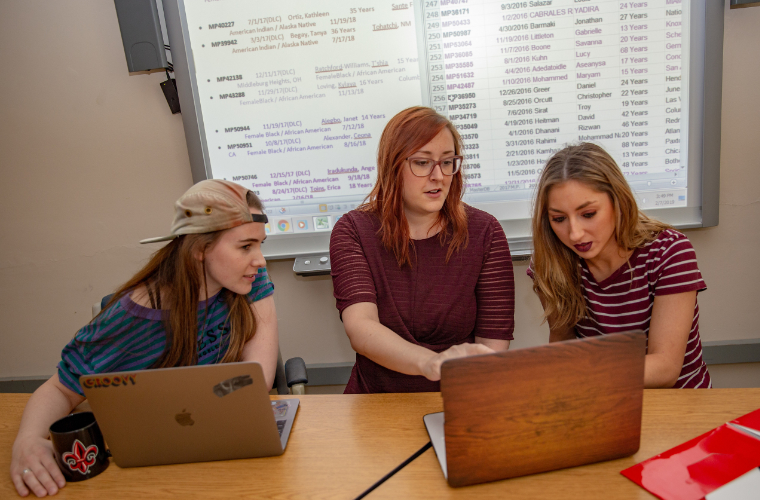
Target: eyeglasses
pixel 422 167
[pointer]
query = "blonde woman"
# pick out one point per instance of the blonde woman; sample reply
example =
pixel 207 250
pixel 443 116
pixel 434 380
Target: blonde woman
pixel 600 266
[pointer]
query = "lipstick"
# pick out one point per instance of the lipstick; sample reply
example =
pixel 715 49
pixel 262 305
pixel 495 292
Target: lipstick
pixel 583 247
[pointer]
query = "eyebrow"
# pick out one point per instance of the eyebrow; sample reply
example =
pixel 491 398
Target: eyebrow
pixel 430 153
pixel 580 207
pixel 250 240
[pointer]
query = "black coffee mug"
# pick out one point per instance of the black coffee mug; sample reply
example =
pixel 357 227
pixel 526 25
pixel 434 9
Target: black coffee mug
pixel 79 447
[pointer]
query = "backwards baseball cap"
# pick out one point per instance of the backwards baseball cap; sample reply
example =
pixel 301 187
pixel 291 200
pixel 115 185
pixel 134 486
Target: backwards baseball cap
pixel 208 206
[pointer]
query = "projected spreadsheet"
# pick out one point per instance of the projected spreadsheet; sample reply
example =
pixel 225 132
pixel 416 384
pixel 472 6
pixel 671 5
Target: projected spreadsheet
pixel 522 79
pixel 294 95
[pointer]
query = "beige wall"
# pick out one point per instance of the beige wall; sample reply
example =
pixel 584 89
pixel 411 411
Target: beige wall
pixel 91 161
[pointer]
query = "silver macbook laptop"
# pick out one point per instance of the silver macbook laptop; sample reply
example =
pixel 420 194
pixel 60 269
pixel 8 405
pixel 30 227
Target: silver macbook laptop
pixel 189 414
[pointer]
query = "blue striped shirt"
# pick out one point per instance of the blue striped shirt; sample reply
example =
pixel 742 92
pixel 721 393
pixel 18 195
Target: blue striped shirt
pixel 128 336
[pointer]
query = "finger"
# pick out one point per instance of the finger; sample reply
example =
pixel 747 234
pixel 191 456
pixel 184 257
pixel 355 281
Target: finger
pixel 44 479
pixel 52 467
pixel 19 484
pixel 34 485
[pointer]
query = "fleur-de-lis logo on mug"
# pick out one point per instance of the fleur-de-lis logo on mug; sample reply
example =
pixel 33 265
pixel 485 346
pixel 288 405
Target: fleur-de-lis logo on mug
pixel 80 458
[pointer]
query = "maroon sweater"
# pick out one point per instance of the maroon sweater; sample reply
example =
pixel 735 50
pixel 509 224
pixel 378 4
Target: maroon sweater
pixel 432 303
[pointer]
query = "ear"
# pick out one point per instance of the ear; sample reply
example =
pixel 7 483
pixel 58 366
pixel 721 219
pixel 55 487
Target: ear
pixel 200 255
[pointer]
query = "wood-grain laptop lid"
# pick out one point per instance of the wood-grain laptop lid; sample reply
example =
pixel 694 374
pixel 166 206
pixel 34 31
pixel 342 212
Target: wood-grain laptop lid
pixel 187 414
pixel 538 409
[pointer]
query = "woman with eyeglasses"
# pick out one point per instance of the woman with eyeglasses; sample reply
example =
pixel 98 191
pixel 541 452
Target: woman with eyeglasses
pixel 419 277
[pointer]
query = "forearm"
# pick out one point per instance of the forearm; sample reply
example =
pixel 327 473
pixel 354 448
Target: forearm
pixel 495 344
pixel 48 404
pixel 660 372
pixel 264 353
pixel 672 317
pixel 384 347
pixel 372 339
pixel 264 346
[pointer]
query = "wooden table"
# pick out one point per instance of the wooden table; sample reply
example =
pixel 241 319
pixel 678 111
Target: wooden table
pixel 342 444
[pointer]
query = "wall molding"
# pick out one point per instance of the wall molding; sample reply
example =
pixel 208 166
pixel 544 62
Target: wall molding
pixel 329 373
pixel 723 352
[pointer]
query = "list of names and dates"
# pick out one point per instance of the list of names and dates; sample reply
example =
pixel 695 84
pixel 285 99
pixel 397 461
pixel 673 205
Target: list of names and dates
pixel 295 94
pixel 520 79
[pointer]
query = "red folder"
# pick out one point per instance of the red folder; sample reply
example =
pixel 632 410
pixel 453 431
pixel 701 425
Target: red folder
pixel 692 470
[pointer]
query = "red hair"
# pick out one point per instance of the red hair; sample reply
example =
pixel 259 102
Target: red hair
pixel 404 135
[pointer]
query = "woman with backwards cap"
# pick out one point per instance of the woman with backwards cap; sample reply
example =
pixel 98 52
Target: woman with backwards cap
pixel 203 298
pixel 419 276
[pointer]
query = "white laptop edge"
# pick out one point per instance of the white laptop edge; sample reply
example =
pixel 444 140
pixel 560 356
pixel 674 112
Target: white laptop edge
pixel 434 426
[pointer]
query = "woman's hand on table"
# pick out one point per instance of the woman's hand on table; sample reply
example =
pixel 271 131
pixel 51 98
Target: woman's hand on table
pixel 432 366
pixel 33 467
pixel 32 451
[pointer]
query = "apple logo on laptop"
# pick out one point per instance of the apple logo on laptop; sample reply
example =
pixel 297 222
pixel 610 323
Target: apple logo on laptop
pixel 184 418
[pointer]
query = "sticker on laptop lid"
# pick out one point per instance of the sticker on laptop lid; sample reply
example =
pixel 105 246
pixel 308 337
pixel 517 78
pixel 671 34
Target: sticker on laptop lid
pixel 106 381
pixel 231 385
pixel 280 408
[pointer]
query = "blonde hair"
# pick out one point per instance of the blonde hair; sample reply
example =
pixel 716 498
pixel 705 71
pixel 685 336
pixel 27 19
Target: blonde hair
pixel 556 268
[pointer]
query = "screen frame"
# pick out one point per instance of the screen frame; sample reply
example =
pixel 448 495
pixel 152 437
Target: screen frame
pixel 705 91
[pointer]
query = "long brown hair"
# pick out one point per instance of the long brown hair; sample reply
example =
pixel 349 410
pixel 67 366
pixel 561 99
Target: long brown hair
pixel 176 276
pixel 557 274
pixel 404 135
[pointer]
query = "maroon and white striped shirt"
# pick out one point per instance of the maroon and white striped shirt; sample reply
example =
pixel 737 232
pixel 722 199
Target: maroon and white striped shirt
pixel 432 303
pixel 623 302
